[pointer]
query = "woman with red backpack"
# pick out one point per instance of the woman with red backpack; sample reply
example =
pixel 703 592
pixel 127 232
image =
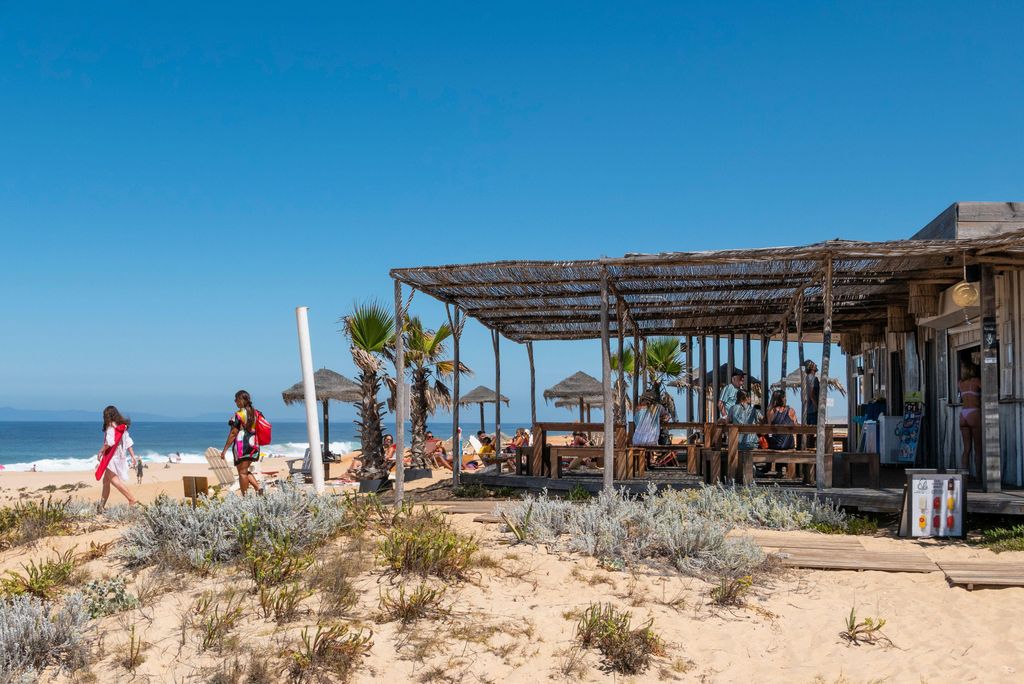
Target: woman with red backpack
pixel 245 424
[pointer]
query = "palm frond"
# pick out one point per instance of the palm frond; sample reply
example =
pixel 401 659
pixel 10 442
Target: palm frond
pixel 370 327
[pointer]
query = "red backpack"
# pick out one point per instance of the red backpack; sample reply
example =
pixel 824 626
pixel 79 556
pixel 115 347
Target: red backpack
pixel 263 429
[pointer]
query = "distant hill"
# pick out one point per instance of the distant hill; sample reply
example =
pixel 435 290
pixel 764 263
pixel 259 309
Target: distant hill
pixel 35 415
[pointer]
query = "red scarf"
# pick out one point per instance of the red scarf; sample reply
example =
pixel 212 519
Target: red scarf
pixel 108 452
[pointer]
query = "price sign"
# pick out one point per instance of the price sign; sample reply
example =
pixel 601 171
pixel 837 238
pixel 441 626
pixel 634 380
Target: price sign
pixel 934 505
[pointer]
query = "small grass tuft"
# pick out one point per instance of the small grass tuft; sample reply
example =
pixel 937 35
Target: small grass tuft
pixel 866 631
pixel 31 520
pixel 331 651
pixel 132 657
pixel 1000 539
pixel 282 603
pixel 424 543
pixel 45 580
pixel 626 650
pixel 731 590
pixel 422 602
pixel 470 491
pixel 271 563
pixel 213 617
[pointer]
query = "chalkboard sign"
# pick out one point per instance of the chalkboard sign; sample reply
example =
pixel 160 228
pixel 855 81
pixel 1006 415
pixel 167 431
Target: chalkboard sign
pixel 933 505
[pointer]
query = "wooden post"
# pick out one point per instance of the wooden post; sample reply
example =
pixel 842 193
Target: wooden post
pixel 785 350
pixel 496 340
pixel 766 384
pixel 643 358
pixel 992 472
pixel 730 357
pixel 801 439
pixel 821 449
pixel 746 364
pixel 702 381
pixel 852 438
pixel 327 429
pixel 482 428
pixel 688 369
pixel 716 383
pixel 606 380
pixel 621 398
pixel 581 409
pixel 456 442
pixel 636 372
pixel 399 396
pixel 533 385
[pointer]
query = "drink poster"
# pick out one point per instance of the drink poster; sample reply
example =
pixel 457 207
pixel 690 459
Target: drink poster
pixel 910 432
pixel 936 504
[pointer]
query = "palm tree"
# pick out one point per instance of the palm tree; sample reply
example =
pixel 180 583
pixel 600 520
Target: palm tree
pixel 424 352
pixel 370 329
pixel 664 364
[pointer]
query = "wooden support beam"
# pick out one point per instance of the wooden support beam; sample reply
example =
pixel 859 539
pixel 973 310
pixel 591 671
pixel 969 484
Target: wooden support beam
pixel 765 382
pixel 992 474
pixel 533 384
pixel 716 383
pixel 785 351
pixel 399 396
pixel 821 448
pixel 455 322
pixel 636 371
pixel 702 379
pixel 606 381
pixel 803 373
pixel 746 364
pixel 496 341
pixel 730 357
pixel 689 378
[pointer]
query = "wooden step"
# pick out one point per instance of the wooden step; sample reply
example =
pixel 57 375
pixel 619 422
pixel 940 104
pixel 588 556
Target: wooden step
pixel 835 559
pixel 983 573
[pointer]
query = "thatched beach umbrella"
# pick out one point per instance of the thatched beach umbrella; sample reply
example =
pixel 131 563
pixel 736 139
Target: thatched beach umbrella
pixel 588 404
pixel 481 395
pixel 792 383
pixel 577 388
pixel 329 385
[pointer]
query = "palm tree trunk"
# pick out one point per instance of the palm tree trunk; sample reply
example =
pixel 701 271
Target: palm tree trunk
pixel 418 415
pixel 369 421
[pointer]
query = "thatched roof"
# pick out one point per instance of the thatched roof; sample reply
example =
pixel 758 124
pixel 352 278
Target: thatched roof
pixel 702 293
pixel 329 385
pixel 592 402
pixel 577 385
pixel 481 395
pixel 793 383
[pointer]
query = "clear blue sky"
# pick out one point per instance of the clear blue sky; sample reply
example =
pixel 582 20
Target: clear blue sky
pixel 175 178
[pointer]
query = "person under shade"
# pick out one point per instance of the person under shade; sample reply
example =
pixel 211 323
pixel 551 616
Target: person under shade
pixel 780 414
pixel 970 416
pixel 727 398
pixel 745 413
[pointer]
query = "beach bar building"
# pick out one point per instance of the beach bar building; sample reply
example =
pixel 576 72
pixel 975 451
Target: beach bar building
pixel 905 312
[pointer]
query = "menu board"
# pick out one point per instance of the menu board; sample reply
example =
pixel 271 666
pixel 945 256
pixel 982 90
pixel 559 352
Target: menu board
pixel 934 505
pixel 910 432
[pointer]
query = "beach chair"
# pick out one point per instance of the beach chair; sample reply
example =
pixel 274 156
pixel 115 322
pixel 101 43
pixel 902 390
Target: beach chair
pixel 646 434
pixel 227 477
pixel 474 445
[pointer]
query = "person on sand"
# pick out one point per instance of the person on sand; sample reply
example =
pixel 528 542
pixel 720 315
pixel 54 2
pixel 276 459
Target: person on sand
pixel 117 444
pixel 242 440
pixel 138 470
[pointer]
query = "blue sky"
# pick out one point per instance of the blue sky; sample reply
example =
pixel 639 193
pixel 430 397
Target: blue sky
pixel 175 179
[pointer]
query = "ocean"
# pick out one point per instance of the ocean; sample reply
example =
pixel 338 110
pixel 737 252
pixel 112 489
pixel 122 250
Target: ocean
pixel 72 446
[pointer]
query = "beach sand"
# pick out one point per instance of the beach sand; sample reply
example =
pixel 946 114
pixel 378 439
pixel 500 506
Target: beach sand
pixel 514 622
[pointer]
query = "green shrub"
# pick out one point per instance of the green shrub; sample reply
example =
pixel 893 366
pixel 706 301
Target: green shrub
pixel 626 650
pixel 1001 539
pixel 866 631
pixel 282 603
pixel 471 491
pixel 422 602
pixel 213 616
pixel 424 543
pixel 45 580
pixel 271 558
pixel 730 590
pixel 35 634
pixel 331 651
pixel 579 493
pixel 27 521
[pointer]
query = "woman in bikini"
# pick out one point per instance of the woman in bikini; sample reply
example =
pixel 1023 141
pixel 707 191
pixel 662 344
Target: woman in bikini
pixel 970 416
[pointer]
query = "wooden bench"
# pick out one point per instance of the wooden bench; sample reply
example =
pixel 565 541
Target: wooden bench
pixel 693 463
pixel 842 472
pixel 737 469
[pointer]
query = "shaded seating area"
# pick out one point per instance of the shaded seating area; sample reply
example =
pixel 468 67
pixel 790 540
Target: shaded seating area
pixel 853 293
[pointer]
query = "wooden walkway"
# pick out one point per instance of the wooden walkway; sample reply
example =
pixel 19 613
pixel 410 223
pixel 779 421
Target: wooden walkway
pixel 983 573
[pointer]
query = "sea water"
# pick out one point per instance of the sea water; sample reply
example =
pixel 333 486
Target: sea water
pixel 72 446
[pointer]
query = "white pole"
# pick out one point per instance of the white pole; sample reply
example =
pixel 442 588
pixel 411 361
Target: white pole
pixel 316 461
pixel 400 390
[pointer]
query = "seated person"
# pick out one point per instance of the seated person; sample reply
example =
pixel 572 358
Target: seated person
pixel 486 446
pixel 744 413
pixel 434 451
pixel 579 439
pixel 389 448
pixel 780 414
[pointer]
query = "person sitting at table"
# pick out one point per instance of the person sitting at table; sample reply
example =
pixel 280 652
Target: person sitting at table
pixel 486 447
pixel 434 451
pixel 745 413
pixel 579 439
pixel 780 414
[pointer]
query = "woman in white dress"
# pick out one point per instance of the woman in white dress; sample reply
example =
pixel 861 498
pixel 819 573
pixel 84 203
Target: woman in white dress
pixel 116 437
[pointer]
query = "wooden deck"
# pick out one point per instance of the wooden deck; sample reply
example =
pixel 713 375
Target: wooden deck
pixel 885 500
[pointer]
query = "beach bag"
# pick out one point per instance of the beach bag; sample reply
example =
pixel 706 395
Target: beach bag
pixel 762 442
pixel 263 429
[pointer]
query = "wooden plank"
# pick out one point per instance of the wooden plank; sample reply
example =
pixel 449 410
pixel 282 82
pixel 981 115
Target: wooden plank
pixel 983 573
pixel 831 559
pixel 780 540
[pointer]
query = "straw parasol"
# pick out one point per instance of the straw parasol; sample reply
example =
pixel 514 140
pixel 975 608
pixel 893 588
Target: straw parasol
pixel 481 395
pixel 579 388
pixel 792 383
pixel 329 385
